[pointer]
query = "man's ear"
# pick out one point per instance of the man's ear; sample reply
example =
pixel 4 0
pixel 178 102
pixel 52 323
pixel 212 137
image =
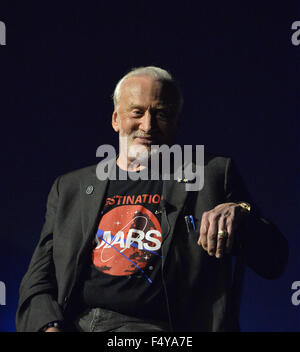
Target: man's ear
pixel 115 121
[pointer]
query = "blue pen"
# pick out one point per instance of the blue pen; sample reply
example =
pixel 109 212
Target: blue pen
pixel 192 221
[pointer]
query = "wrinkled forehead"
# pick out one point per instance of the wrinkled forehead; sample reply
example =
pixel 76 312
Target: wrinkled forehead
pixel 147 89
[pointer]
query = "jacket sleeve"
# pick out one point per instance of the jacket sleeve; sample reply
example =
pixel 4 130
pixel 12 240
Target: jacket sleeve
pixel 37 304
pixel 265 249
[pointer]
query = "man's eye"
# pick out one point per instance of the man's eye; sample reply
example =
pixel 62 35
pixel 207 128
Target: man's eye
pixel 162 115
pixel 137 112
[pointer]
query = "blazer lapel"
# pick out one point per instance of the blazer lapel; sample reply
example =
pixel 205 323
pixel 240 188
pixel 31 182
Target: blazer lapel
pixel 174 196
pixel 92 195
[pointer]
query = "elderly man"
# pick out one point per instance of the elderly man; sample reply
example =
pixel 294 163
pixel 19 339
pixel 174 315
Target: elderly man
pixel 129 254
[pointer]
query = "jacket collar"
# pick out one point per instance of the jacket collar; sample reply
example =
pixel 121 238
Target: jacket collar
pixel 92 195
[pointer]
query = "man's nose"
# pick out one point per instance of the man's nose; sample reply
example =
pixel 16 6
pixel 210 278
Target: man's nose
pixel 147 122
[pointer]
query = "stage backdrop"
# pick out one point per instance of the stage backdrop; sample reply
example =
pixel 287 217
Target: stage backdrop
pixel 238 68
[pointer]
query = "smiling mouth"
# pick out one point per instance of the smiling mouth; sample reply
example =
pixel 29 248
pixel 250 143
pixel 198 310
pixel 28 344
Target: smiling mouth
pixel 144 140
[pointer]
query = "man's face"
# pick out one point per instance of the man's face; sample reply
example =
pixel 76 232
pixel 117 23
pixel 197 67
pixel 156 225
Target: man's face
pixel 145 114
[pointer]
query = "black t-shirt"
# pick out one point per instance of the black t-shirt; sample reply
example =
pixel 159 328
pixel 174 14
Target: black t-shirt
pixel 125 270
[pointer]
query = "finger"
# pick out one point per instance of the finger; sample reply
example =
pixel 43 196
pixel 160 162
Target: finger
pixel 202 241
pixel 212 235
pixel 230 224
pixel 221 240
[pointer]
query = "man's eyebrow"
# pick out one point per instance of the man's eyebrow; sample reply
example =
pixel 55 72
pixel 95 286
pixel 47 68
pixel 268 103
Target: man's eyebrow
pixel 142 107
pixel 161 107
pixel 136 106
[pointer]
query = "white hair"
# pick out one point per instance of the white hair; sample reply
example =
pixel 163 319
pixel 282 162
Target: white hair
pixel 151 71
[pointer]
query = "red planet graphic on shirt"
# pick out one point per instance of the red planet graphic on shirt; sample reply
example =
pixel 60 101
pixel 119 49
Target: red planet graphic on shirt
pixel 128 237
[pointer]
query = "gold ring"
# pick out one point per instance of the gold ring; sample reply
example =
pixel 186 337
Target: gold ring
pixel 222 234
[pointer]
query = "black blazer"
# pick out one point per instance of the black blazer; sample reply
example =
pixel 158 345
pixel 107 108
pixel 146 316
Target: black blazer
pixel 202 292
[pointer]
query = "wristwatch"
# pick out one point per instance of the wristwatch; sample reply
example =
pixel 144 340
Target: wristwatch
pixel 53 324
pixel 246 206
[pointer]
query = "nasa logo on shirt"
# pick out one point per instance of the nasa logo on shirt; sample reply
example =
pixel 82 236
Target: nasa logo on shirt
pixel 128 237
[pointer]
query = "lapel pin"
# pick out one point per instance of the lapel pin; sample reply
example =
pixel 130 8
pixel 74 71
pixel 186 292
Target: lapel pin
pixel 89 189
pixel 185 180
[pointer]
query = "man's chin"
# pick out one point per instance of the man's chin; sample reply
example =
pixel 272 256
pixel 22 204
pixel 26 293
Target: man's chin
pixel 139 151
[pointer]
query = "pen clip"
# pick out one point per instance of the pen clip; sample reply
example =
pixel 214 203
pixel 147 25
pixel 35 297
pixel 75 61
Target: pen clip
pixel 190 224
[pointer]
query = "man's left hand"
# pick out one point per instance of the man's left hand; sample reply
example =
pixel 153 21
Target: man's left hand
pixel 218 227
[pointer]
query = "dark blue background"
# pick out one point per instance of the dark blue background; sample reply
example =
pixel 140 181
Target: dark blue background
pixel 239 73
